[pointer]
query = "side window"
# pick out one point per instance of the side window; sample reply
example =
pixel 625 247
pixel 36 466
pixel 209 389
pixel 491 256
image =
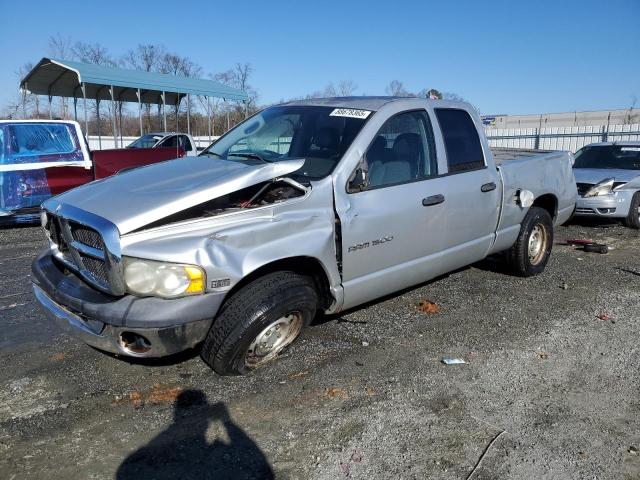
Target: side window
pixel 172 141
pixel 402 151
pixel 185 143
pixel 461 140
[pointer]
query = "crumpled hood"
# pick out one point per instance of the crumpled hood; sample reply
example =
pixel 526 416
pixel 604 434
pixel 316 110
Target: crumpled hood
pixel 136 198
pixel 596 175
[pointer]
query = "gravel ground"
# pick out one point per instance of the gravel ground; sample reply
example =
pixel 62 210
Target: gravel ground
pixel 362 395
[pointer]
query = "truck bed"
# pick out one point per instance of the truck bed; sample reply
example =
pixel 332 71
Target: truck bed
pixel 502 155
pixel 540 172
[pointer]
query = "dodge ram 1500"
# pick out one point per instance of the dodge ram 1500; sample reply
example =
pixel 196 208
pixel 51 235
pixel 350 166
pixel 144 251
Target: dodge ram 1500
pixel 308 206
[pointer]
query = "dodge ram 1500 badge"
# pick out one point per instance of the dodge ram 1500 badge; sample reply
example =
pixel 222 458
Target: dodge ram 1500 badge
pixel 318 205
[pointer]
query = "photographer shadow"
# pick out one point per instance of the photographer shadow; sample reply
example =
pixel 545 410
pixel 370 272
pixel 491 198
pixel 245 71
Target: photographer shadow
pixel 183 451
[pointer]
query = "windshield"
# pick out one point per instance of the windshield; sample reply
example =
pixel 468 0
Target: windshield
pixel 608 156
pixel 320 135
pixel 145 141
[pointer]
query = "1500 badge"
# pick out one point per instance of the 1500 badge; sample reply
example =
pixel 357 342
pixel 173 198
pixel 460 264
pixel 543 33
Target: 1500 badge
pixel 372 243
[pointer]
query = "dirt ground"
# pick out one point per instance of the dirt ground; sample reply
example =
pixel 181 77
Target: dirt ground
pixel 551 361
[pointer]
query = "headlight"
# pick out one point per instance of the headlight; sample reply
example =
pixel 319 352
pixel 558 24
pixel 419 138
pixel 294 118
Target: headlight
pixel 168 280
pixel 602 188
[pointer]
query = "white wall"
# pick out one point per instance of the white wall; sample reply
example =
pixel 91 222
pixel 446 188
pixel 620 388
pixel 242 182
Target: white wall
pixel 560 138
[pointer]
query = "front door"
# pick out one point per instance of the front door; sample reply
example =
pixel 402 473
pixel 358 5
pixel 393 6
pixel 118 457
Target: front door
pixel 393 229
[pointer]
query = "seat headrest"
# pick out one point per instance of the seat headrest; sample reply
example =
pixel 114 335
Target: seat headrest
pixel 407 144
pixel 327 137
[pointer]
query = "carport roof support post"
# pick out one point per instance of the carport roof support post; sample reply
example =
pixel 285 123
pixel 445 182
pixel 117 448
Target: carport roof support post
pixel 113 118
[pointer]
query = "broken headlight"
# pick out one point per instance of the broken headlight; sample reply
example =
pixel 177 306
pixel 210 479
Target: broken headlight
pixel 167 280
pixel 602 188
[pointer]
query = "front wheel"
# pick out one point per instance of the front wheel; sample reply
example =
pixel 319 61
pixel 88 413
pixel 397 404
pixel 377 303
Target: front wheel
pixel 633 218
pixel 259 321
pixel 530 253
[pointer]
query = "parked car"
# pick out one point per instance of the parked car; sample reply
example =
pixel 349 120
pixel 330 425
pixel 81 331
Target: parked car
pixel 608 180
pixel 166 139
pixel 318 205
pixel 41 158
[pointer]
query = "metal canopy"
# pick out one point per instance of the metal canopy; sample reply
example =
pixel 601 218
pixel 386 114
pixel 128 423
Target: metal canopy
pixel 65 78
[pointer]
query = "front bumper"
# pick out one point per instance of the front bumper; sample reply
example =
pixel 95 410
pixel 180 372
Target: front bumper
pixel 168 325
pixel 615 205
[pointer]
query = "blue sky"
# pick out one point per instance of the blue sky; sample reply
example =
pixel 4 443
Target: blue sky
pixel 504 56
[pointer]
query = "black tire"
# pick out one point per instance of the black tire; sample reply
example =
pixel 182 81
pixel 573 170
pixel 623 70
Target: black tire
pixel 250 311
pixel 518 256
pixel 633 218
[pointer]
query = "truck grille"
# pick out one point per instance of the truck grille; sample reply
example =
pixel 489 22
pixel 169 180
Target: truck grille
pixel 81 249
pixel 86 236
pixel 97 268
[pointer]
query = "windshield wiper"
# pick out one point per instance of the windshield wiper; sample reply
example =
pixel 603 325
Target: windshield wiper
pixel 212 153
pixel 249 155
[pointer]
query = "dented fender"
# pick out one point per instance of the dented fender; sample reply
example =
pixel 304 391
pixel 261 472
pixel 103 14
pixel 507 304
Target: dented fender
pixel 230 247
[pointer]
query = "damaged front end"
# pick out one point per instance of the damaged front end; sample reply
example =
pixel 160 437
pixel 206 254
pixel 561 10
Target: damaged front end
pixel 262 194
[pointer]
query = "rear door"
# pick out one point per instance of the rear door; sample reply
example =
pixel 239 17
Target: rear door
pixel 394 228
pixel 472 192
pixel 38 160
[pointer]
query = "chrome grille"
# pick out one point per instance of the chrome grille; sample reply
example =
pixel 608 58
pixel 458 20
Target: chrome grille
pixel 97 268
pixel 87 245
pixel 86 236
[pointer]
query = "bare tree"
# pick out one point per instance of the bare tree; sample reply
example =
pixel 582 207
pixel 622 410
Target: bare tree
pixel 175 64
pixel 346 88
pixel 28 102
pixel 92 53
pixel 60 47
pixel 98 55
pixel 396 89
pixel 238 77
pixel 148 58
pixel 330 91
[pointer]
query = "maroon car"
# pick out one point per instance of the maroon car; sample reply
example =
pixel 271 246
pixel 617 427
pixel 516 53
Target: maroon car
pixel 42 158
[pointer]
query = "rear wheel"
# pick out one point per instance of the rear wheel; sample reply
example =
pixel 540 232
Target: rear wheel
pixel 633 218
pixel 530 253
pixel 259 321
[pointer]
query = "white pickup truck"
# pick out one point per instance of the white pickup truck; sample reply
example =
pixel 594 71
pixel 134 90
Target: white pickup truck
pixel 167 139
pixel 318 205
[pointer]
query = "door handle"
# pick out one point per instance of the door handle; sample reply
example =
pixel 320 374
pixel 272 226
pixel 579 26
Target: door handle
pixel 432 200
pixel 487 187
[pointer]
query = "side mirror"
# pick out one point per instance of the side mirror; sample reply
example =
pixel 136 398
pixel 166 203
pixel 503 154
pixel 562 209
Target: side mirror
pixel 359 180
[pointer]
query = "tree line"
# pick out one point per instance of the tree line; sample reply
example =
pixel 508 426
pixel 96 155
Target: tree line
pixel 209 116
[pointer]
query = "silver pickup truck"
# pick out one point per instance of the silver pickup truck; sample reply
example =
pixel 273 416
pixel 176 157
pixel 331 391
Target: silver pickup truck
pixel 309 206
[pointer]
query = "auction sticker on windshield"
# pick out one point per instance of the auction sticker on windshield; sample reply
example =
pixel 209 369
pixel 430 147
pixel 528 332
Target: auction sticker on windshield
pixel 350 112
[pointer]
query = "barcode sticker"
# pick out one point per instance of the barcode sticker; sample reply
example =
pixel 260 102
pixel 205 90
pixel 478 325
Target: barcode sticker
pixel 350 112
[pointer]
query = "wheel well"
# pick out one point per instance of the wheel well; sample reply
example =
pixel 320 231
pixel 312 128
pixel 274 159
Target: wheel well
pixel 303 265
pixel 549 202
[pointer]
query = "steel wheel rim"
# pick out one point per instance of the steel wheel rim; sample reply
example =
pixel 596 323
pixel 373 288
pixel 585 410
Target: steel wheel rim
pixel 537 243
pixel 273 339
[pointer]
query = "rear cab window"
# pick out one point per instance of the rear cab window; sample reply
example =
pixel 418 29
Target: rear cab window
pixel 461 140
pixel 40 142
